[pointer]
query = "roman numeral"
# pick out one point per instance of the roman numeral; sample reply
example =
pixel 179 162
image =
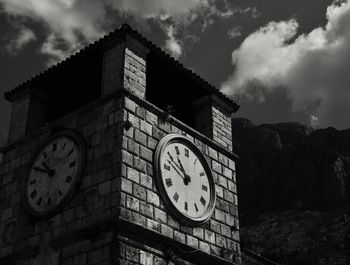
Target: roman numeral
pixel 176 197
pixel 169 182
pixel 60 192
pixel 201 174
pixel 39 201
pixel 64 145
pixel 70 152
pixel 54 147
pixel 186 206
pixel 33 194
pixel 44 154
pixel 68 179
pixel 167 167
pixel 177 150
pixel 187 152
pixel 32 181
pixel 72 164
pixel 202 200
pixel 205 188
pixel 196 207
pixel 195 161
pixel 49 200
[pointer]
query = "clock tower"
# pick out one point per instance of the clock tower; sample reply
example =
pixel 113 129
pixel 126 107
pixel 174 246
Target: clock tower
pixel 119 155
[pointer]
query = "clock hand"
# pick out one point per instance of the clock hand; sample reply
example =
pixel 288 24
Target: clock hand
pixel 50 171
pixel 41 170
pixel 177 171
pixel 182 168
pixel 172 159
pixel 187 178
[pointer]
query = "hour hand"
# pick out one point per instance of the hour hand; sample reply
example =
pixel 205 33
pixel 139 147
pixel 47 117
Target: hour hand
pixel 50 171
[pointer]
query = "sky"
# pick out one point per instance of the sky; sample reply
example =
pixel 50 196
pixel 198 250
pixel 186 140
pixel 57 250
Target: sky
pixel 281 60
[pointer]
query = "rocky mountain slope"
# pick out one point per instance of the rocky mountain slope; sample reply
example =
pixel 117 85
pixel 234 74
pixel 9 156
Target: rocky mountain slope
pixel 294 190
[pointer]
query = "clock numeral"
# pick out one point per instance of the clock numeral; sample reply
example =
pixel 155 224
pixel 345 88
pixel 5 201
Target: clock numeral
pixel 32 182
pixel 68 179
pixel 196 207
pixel 72 164
pixel 60 192
pixel 49 200
pixel 187 153
pixel 169 182
pixel 39 201
pixel 195 161
pixel 205 188
pixel 167 167
pixel 44 154
pixel 177 150
pixel 176 197
pixel 202 174
pixel 186 206
pixel 202 200
pixel 64 146
pixel 54 147
pixel 33 194
pixel 70 152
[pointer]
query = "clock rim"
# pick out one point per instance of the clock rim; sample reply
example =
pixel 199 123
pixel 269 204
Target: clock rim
pixel 187 220
pixel 79 140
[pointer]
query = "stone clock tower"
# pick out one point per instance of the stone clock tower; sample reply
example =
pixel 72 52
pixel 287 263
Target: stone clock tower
pixel 119 155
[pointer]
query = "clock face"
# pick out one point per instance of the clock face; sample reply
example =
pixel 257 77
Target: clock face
pixel 185 179
pixel 54 174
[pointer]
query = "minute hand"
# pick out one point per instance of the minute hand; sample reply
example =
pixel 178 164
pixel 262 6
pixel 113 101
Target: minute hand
pixel 177 171
pixel 181 166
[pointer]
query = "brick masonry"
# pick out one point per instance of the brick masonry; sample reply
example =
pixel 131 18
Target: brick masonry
pixel 140 202
pixel 118 182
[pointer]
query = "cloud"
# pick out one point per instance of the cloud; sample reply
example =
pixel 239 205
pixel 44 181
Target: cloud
pixel 24 36
pixel 312 67
pixel 64 20
pixel 172 44
pixel 234 32
pixel 155 8
pixel 69 24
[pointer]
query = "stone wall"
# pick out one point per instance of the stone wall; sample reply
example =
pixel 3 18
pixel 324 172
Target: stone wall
pixel 95 201
pixel 118 182
pixel 140 202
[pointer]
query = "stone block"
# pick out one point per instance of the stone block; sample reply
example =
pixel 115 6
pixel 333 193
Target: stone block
pixel 146 209
pixel 126 185
pixel 167 231
pixel 160 216
pixel 140 137
pixel 209 236
pixel 153 225
pixel 132 203
pixel 180 237
pixel 133 175
pixel 146 154
pixel 146 127
pixel 219 215
pixel 153 198
pixel 139 192
pixel 192 241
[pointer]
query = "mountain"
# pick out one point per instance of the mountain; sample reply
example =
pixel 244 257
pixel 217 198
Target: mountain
pixel 294 190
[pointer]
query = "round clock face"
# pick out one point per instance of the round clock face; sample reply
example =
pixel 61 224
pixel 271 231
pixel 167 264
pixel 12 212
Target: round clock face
pixel 184 178
pixel 54 173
